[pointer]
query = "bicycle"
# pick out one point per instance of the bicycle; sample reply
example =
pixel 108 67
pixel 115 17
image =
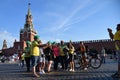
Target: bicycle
pixel 92 61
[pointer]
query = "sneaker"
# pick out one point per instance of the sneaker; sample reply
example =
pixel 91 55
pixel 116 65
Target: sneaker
pixel 43 71
pixel 70 70
pixel 73 70
pixel 85 68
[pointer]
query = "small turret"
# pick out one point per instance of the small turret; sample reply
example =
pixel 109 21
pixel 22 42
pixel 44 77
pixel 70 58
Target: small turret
pixel 4 44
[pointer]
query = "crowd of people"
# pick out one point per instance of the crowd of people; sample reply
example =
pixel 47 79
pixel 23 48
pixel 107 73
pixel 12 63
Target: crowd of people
pixel 36 54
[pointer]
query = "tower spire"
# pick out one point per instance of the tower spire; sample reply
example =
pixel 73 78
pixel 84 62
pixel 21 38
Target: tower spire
pixel 28 24
pixel 29 12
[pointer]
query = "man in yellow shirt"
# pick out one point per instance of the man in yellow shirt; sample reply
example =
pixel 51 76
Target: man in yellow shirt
pixel 116 37
pixel 63 55
pixel 35 54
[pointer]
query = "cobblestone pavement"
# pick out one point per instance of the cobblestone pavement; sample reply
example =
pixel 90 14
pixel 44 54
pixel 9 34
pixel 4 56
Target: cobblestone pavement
pixel 14 72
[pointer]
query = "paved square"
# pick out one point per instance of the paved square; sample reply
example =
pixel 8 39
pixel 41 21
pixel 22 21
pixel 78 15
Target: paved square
pixel 14 72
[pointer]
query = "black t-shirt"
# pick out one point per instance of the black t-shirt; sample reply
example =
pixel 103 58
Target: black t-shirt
pixel 48 51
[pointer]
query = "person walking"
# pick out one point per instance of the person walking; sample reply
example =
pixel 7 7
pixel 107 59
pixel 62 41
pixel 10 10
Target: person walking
pixel 103 55
pixel 116 37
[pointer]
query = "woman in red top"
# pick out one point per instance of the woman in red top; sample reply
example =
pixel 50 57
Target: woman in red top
pixel 56 53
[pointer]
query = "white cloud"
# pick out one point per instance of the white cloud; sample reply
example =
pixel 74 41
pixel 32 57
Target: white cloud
pixel 66 19
pixel 91 11
pixel 79 19
pixel 5 35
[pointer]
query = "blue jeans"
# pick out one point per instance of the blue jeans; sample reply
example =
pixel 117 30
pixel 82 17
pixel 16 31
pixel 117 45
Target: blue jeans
pixel 34 60
pixel 103 59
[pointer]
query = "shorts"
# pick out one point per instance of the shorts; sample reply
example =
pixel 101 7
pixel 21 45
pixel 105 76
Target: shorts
pixel 71 57
pixel 42 59
pixel 49 57
pixel 34 60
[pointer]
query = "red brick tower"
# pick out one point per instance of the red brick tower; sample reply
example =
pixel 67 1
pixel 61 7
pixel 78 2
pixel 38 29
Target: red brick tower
pixel 28 32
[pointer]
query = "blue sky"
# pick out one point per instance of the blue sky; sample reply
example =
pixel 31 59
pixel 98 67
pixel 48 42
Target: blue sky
pixel 56 20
